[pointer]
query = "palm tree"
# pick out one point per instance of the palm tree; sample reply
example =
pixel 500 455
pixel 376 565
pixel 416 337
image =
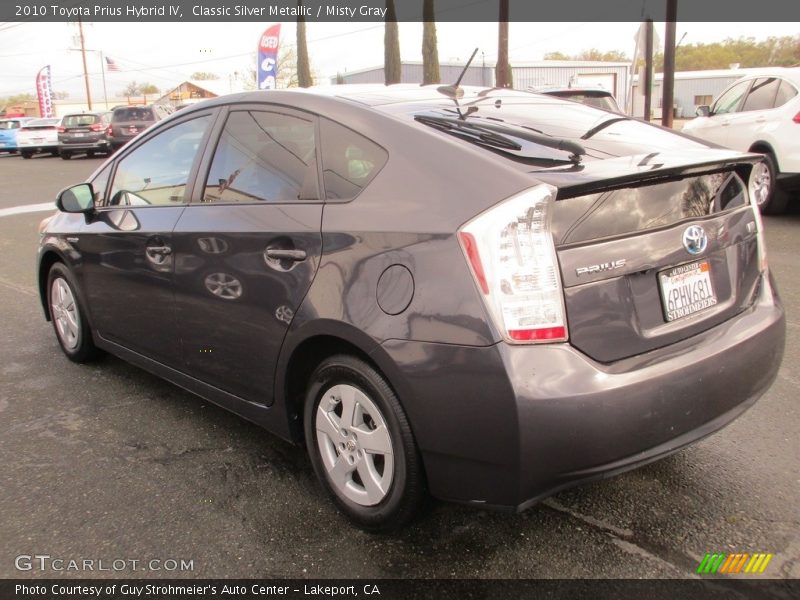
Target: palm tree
pixel 391 46
pixel 430 52
pixel 503 69
pixel 304 78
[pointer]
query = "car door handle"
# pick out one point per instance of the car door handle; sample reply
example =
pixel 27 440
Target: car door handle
pixel 159 250
pixel 761 120
pixel 283 254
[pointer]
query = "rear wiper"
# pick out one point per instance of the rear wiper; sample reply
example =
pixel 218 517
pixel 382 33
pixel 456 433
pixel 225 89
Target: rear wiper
pixel 501 131
pixel 468 130
pixel 602 126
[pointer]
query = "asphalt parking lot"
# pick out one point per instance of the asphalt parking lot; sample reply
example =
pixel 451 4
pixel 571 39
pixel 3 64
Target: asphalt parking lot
pixel 107 462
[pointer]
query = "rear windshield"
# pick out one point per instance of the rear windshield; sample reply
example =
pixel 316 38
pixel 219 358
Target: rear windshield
pixel 80 120
pixel 133 114
pixel 9 124
pixel 41 123
pixel 597 101
pixel 628 210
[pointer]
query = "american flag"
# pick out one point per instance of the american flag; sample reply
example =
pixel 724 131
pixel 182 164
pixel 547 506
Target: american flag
pixel 111 65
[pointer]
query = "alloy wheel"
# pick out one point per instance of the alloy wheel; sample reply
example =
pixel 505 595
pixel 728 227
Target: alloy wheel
pixel 65 313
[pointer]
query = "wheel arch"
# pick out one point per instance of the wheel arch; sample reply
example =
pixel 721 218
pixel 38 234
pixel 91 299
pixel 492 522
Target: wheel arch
pixel 764 147
pixel 48 258
pixel 304 350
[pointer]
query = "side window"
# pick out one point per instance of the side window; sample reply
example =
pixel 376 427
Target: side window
pixel 786 92
pixel 264 157
pixel 349 161
pixel 156 172
pixel 99 184
pixel 762 94
pixel 729 101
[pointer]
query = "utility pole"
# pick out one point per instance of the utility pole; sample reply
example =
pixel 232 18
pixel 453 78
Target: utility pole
pixel 85 71
pixel 502 69
pixel 669 63
pixel 648 67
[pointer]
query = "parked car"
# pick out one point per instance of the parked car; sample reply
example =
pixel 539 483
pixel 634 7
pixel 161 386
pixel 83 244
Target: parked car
pixel 38 135
pixel 591 96
pixel 8 133
pixel 759 113
pixel 83 133
pixel 483 294
pixel 129 121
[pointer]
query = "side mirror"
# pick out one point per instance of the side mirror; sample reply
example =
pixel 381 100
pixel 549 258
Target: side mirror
pixel 703 111
pixel 76 199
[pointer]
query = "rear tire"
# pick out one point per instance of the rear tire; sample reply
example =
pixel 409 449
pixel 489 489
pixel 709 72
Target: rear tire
pixel 26 154
pixel 90 154
pixel 69 316
pixel 65 155
pixel 771 200
pixel 361 445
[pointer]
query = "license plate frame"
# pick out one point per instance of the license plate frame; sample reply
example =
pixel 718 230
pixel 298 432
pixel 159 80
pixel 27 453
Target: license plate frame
pixel 686 290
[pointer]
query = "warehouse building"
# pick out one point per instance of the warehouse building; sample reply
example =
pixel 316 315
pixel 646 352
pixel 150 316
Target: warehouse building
pixel 610 76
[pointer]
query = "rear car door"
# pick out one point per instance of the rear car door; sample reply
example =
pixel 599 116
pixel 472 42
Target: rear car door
pixel 127 245
pixel 247 247
pixel 715 128
pixel 744 125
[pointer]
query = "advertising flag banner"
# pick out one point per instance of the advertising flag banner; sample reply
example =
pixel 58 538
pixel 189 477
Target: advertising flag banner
pixel 268 57
pixel 45 93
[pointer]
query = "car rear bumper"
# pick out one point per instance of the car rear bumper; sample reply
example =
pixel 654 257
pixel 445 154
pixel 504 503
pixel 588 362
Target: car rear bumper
pixel 101 145
pixel 516 424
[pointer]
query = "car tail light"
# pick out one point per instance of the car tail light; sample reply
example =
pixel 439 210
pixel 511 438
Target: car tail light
pixel 96 127
pixel 796 118
pixel 760 243
pixel 61 129
pixel 109 130
pixel 511 254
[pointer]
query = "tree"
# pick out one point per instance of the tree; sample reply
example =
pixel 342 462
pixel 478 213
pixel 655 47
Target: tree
pixel 203 76
pixel 132 89
pixel 286 70
pixel 60 95
pixel 592 54
pixel 392 68
pixel 304 78
pixel 746 52
pixel 503 78
pixel 148 88
pixel 430 52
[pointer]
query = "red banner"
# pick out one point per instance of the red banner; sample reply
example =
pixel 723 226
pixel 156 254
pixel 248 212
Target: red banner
pixel 268 57
pixel 45 93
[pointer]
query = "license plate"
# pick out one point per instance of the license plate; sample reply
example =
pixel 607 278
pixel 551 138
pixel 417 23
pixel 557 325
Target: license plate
pixel 133 130
pixel 78 134
pixel 686 290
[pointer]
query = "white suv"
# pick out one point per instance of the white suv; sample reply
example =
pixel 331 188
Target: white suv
pixel 759 113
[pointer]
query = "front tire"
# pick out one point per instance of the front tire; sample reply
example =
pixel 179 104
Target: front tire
pixel 68 316
pixel 26 154
pixel 65 155
pixel 361 445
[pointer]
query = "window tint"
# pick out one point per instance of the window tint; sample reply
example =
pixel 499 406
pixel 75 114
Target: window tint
pixel 156 172
pixel 263 156
pixel 133 114
pixel 762 94
pixel 100 183
pixel 80 120
pixel 729 101
pixel 786 92
pixel 349 161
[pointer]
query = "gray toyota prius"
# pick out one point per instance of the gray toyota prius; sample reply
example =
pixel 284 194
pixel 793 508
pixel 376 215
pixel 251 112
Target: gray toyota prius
pixel 482 295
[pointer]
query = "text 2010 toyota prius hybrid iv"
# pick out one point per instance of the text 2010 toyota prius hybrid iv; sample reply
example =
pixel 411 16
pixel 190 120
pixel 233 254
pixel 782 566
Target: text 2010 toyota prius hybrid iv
pixel 486 295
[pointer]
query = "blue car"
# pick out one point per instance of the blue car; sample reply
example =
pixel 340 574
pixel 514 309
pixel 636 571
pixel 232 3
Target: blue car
pixel 8 133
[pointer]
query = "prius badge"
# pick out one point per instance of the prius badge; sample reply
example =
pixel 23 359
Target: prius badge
pixel 606 266
pixel 695 239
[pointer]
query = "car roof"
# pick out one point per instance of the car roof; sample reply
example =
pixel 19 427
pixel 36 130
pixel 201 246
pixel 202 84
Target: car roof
pixel 790 73
pixel 595 91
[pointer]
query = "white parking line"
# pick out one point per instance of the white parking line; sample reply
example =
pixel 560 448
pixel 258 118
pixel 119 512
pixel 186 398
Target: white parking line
pixel 19 210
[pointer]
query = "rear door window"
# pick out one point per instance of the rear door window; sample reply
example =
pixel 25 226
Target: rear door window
pixel 349 161
pixel 264 157
pixel 762 94
pixel 786 92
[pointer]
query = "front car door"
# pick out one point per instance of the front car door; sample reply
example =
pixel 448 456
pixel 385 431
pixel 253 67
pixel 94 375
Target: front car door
pixel 247 248
pixel 744 125
pixel 126 246
pixel 714 128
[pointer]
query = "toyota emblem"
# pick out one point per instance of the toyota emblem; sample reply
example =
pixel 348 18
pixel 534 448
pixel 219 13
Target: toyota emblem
pixel 695 239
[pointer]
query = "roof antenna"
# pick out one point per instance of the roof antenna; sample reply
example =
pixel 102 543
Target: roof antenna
pixel 454 92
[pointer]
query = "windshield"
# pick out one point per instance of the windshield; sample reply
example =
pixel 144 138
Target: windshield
pixel 133 114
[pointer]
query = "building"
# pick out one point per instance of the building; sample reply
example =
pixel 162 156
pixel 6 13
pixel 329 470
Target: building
pixel 192 91
pixel 611 76
pixel 692 89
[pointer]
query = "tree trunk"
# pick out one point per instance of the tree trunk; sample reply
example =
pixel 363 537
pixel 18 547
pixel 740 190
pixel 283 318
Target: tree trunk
pixel 503 69
pixel 304 78
pixel 391 46
pixel 430 51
